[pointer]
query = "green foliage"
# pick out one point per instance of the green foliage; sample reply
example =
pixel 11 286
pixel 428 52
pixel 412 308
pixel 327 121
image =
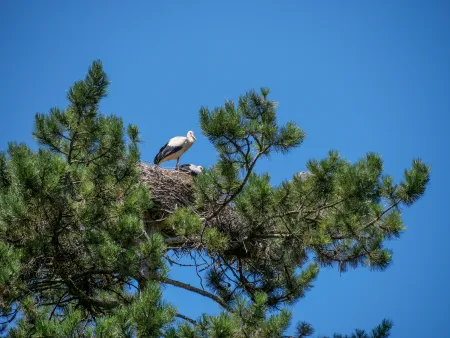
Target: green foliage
pixel 242 134
pixel 146 316
pixel 214 240
pixel 249 320
pixel 76 260
pixel 381 331
pixel 229 127
pixel 9 263
pixel 415 182
pixel 35 323
pixel 184 222
pixel 71 212
pixel 304 330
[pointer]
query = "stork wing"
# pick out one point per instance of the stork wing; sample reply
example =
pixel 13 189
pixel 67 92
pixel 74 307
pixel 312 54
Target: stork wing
pixel 165 151
pixel 176 141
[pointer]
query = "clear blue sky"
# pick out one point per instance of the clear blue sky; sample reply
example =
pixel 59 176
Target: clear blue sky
pixel 358 76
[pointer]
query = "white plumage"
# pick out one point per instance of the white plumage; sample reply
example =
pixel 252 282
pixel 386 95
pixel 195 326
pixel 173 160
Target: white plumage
pixel 176 147
pixel 304 175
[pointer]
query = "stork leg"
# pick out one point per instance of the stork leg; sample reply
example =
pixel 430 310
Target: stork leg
pixel 178 163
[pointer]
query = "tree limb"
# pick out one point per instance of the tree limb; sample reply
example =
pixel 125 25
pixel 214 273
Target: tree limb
pixel 190 320
pixel 189 287
pixel 238 190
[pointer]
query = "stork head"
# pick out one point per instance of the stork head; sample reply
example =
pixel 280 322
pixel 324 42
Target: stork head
pixel 190 135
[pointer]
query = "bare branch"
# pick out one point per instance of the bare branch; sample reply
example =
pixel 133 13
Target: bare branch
pixel 238 190
pixel 189 287
pixel 186 318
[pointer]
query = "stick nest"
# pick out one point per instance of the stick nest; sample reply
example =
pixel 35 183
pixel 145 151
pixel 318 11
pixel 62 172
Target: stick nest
pixel 171 189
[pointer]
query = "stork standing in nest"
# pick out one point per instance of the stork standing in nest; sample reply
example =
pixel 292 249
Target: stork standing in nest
pixel 176 147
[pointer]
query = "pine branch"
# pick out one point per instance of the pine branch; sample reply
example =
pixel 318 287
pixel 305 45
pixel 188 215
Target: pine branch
pixel 384 212
pixel 239 149
pixel 10 316
pixel 103 304
pixel 189 287
pixel 186 318
pixel 57 304
pixel 72 140
pixel 238 190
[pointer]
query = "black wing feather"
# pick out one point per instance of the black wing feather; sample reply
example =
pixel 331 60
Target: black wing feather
pixel 165 151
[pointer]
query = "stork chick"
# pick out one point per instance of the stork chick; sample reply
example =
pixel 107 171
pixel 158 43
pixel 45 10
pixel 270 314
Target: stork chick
pixel 192 169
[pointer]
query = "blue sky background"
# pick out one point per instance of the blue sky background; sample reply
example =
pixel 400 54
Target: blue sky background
pixel 356 76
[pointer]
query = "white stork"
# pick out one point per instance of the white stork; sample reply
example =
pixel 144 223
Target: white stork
pixel 176 147
pixel 304 175
pixel 192 169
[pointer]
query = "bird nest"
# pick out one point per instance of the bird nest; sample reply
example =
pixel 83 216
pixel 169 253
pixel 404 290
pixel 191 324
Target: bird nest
pixel 171 189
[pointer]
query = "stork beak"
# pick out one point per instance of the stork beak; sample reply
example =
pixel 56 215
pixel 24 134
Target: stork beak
pixel 194 137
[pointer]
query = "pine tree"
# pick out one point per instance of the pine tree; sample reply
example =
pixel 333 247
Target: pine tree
pixel 78 259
